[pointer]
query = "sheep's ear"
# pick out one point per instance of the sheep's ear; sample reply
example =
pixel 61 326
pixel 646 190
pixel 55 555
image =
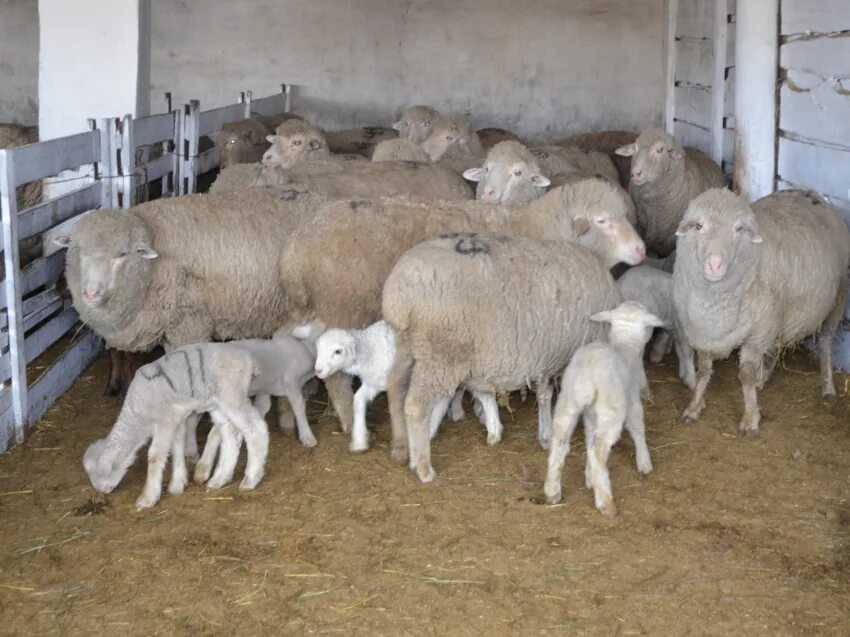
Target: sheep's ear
pixel 685 227
pixel 750 228
pixel 602 317
pixel 314 144
pixel 541 181
pixel 63 241
pixel 654 321
pixel 677 153
pixel 474 174
pixel 271 139
pixel 397 125
pixel 626 151
pixel 581 225
pixel 146 252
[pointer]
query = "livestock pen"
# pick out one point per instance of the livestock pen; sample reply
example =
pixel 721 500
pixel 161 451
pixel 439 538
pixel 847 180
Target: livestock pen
pixel 727 536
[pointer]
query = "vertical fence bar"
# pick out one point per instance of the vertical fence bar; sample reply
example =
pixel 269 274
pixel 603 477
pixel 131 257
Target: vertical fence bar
pixel 127 157
pixel 14 310
pixel 287 97
pixel 670 102
pixel 247 99
pixel 191 127
pixel 718 85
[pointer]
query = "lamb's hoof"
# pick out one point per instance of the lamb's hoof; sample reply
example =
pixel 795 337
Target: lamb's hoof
pixel 830 399
pixel 145 503
pixel 748 432
pixel 554 497
pixel 494 438
pixel 426 474
pixel 749 426
pixel 176 487
pixel 656 357
pixel 690 415
pixel 360 447
pixel 215 484
pixel 202 473
pixel 250 483
pixel 399 453
pixel 309 441
pixel 457 415
pixel 644 467
pixel 608 509
pixel 544 443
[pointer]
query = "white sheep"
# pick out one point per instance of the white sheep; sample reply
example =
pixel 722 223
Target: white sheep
pixel 284 365
pixel 603 382
pixel 205 377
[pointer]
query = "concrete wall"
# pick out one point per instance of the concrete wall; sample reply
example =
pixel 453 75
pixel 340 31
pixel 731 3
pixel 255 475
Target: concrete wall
pixel 19 61
pixel 540 67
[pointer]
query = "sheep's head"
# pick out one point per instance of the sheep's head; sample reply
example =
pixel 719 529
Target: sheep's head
pixel 109 250
pixel 654 153
pixel 631 323
pixel 452 136
pixel 241 142
pixel 295 141
pixel 416 123
pixel 105 465
pixel 510 175
pixel 335 350
pixel 718 233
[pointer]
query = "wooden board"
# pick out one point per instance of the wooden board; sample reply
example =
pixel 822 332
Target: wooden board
pixel 40 340
pixel 38 273
pixel 693 104
pixel 46 159
pixel 44 216
pixel 693 136
pixel 817 167
pixel 815 109
pixel 818 16
pixel 695 61
pixel 157 128
pixel 824 56
pixel 695 18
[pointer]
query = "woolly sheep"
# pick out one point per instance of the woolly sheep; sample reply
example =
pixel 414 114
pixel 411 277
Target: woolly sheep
pixel 759 278
pixel 653 288
pixel 415 124
pixel 510 175
pixel 367 238
pixel 191 380
pixel 454 144
pixel 489 137
pixel 284 363
pixel 295 141
pixel 335 179
pixel 607 141
pixel 358 141
pixel 664 179
pixel 603 383
pixel 400 149
pixel 244 142
pixel 565 161
pixel 493 312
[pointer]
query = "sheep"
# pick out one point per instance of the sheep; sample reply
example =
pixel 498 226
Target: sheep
pixel 489 137
pixel 607 141
pixel 295 141
pixel 401 149
pixel 244 141
pixel 200 378
pixel 493 312
pixel 415 124
pixel 357 179
pixel 565 161
pixel 759 278
pixel 603 383
pixel 664 179
pixel 454 144
pixel 653 288
pixel 510 174
pixel 284 364
pixel 368 238
pixel 358 141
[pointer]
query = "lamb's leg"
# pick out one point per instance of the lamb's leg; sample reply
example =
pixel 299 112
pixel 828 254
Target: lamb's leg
pixel 163 439
pixel 705 363
pixel 179 474
pixel 490 416
pixel 397 384
pixel 456 410
pixel 256 433
pixel 563 425
pixel 359 433
pixel 602 440
pixel 342 398
pixel 544 413
pixel 205 464
pixel 299 408
pixel 436 417
pixel 660 346
pixel 826 336
pixel 748 373
pixel 262 403
pixel 637 430
pixel 191 444
pixel 231 442
pixel 687 373
pixel 285 417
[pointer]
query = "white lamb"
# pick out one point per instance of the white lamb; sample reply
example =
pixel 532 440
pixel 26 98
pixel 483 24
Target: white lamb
pixel 603 382
pixel 284 365
pixel 205 377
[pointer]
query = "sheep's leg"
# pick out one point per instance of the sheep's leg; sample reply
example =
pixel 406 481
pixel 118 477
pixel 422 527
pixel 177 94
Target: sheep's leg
pixel 456 410
pixel 704 366
pixel 687 373
pixel 602 439
pixel 436 417
pixel 256 434
pixel 589 429
pixel 191 434
pixel 563 425
pixel 748 373
pixel 397 384
pixel 826 336
pixel 231 441
pixel 544 413
pixel 262 403
pixel 359 433
pixel 637 430
pixel 285 417
pixel 660 346
pixel 342 398
pixel 161 444
pixel 205 464
pixel 768 364
pixel 422 397
pixel 179 474
pixel 489 409
pixel 299 408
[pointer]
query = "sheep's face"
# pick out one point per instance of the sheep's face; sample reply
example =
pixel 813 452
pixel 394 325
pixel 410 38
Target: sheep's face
pixel 416 123
pixel 287 150
pixel 335 350
pixel 653 154
pixel 610 236
pixel 105 466
pixel 448 135
pixel 718 234
pixel 237 147
pixel 511 183
pixel 630 323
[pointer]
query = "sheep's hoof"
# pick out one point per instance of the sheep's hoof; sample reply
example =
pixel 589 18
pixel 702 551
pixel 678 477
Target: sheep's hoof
pixel 494 438
pixel 176 487
pixel 359 447
pixel 309 441
pixel 202 473
pixel 145 503
pixel 748 432
pixel 426 473
pixel 554 497
pixel 644 467
pixel 457 414
pixel 214 484
pixel 608 509
pixel 346 428
pixel 399 453
pixel 690 415
pixel 830 399
pixel 249 483
pixel 544 443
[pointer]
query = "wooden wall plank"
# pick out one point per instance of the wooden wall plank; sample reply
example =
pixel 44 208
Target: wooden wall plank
pixel 212 120
pixel 815 109
pixel 38 273
pixel 817 167
pixel 695 19
pixel 49 158
pixel 692 136
pixel 693 104
pixel 150 130
pixel 819 16
pixel 41 339
pixel 46 215
pixel 824 56
pixel 694 62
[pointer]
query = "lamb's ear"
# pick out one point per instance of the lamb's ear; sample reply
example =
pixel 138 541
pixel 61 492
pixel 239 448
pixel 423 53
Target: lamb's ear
pixel 271 139
pixel 397 125
pixel 654 321
pixel 146 252
pixel 63 241
pixel 749 228
pixel 541 181
pixel 474 174
pixel 602 317
pixel 685 227
pixel 677 153
pixel 580 225
pixel 314 144
pixel 626 151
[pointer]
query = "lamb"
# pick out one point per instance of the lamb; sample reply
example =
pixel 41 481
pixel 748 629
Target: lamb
pixel 653 288
pixel 190 380
pixel 358 141
pixel 603 383
pixel 284 364
pixel 369 237
pixel 335 179
pixel 664 179
pixel 415 124
pixel 244 142
pixel 493 312
pixel 454 144
pixel 759 278
pixel 401 149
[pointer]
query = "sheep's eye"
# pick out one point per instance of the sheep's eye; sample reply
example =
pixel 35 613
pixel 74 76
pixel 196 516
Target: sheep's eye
pixel 296 142
pixel 121 255
pixel 232 141
pixel 337 352
pixel 698 226
pixel 659 150
pixel 517 173
pixel 449 138
pixel 426 124
pixel 601 221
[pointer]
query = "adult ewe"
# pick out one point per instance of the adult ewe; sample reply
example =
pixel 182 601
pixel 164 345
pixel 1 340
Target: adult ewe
pixel 759 278
pixel 664 179
pixel 244 142
pixel 415 123
pixel 491 312
pixel 454 144
pixel 335 263
pixel 297 141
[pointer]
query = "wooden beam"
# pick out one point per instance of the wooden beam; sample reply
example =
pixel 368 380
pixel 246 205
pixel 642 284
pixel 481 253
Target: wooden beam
pixel 718 85
pixel 670 105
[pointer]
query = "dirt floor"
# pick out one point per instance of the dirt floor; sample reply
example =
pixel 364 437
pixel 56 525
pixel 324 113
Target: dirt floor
pixel 727 537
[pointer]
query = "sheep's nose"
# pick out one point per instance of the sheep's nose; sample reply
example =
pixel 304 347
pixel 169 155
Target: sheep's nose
pixel 640 251
pixel 715 263
pixel 318 372
pixel 636 174
pixel 90 296
pixel 489 194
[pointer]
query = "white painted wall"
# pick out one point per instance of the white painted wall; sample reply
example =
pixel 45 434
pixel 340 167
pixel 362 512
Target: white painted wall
pixel 19 61
pixel 540 67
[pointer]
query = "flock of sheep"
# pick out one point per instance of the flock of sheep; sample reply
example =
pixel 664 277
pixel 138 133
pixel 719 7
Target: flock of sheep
pixel 429 293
